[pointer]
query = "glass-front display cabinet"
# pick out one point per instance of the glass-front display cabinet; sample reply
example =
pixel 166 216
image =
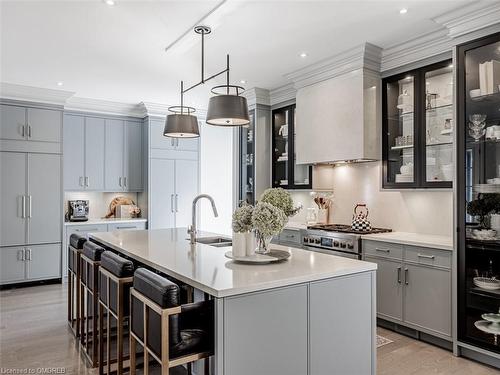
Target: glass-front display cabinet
pixel 246 162
pixel 478 192
pixel 418 128
pixel 285 172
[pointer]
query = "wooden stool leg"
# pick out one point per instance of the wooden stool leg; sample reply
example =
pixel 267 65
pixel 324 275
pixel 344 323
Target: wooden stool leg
pixel 190 368
pixel 132 354
pixel 108 341
pixel 101 340
pixel 95 332
pixel 119 324
pixel 77 282
pixel 82 313
pixel 206 370
pixel 70 298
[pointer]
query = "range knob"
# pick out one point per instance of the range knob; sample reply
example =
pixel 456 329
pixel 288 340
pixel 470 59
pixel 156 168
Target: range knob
pixel 305 240
pixel 311 240
pixel 317 241
pixel 335 243
pixel 343 245
pixel 350 246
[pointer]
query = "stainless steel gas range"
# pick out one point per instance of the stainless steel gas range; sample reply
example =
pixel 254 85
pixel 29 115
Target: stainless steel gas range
pixel 336 239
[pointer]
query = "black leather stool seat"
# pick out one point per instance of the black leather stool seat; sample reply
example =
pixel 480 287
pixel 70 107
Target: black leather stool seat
pixel 118 266
pixel 77 241
pixel 92 251
pixel 187 334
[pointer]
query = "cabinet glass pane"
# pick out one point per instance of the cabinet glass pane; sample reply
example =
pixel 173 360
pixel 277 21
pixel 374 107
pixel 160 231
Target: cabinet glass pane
pixel 400 120
pixel 439 124
pixel 480 254
pixel 280 154
pixel 247 154
pixel 300 172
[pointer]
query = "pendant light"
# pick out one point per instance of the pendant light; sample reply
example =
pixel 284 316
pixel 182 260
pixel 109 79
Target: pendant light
pixel 181 123
pixel 226 108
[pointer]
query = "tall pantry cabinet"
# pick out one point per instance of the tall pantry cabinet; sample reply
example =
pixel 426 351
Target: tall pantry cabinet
pixel 30 192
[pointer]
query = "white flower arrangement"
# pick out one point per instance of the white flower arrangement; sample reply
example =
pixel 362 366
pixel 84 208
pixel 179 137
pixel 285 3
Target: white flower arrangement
pixel 281 199
pixel 242 219
pixel 268 219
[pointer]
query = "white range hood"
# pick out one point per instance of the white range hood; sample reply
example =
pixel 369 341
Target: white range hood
pixel 338 115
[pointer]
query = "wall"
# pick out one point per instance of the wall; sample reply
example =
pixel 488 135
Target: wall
pixel 216 178
pixel 429 212
pixel 98 201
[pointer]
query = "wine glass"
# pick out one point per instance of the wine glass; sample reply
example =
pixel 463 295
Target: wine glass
pixel 477 120
pixel 477 133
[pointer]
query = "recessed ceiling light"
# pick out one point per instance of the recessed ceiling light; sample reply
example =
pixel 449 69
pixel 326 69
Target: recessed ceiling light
pixel 110 2
pixel 403 11
pixel 303 54
pixel 243 81
pixel 59 83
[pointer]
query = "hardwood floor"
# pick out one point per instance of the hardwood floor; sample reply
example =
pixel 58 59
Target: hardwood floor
pixel 34 334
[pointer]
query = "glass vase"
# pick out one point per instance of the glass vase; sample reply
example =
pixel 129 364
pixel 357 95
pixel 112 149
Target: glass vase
pixel 262 242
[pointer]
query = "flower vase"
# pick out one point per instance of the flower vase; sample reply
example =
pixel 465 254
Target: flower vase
pixel 262 243
pixel 239 244
pixel 250 243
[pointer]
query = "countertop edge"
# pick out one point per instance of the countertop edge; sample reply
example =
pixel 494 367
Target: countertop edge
pixel 104 221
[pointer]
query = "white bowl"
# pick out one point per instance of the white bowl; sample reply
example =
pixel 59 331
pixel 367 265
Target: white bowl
pixel 486 283
pixel 484 234
pixel 475 93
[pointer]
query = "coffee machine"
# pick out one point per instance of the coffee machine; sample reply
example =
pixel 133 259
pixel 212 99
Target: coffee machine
pixel 78 210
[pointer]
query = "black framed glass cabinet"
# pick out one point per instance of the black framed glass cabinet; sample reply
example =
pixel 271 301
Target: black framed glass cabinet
pixel 478 192
pixel 417 142
pixel 285 172
pixel 247 161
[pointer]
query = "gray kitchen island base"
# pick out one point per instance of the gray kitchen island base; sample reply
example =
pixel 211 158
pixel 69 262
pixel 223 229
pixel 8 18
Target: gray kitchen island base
pixel 317 328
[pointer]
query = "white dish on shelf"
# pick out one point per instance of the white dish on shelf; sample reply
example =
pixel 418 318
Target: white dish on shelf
pixel 488 327
pixel 475 93
pixel 486 283
pixel 446 131
pixel 493 318
pixel 484 234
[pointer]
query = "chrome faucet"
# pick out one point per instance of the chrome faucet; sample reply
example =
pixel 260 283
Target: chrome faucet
pixel 192 229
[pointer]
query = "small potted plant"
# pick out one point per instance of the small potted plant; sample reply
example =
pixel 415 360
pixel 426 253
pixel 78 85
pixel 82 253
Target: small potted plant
pixel 242 227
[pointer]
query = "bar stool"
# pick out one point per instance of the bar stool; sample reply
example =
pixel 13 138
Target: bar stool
pixel 171 333
pixel 115 280
pixel 90 260
pixel 75 249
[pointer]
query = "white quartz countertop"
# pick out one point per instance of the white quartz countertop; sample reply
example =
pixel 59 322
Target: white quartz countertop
pixel 295 225
pixel 206 268
pixel 95 221
pixel 416 239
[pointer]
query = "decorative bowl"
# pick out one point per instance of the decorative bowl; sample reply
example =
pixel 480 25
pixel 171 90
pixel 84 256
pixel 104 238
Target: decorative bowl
pixel 486 283
pixel 493 318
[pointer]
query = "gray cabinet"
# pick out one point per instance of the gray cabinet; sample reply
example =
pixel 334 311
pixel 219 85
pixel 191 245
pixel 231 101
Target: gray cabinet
pixel 44 198
pixel 123 158
pixel 12 265
pixel 187 144
pixel 157 139
pixel 290 237
pixel 83 149
pixel 186 189
pixel 162 193
pixel 43 261
pixel 413 286
pixel 126 226
pixel 30 124
pixel 13 192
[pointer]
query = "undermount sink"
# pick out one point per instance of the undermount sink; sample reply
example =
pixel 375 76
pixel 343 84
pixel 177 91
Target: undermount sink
pixel 215 241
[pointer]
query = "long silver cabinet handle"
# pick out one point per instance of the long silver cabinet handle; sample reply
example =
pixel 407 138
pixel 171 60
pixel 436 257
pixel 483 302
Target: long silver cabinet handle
pixel 87 230
pixel 127 227
pixel 23 207
pixel 399 275
pixel 80 181
pixel 87 181
pixel 406 276
pixel 22 130
pixel 28 256
pixel 172 202
pixel 29 206
pixel 20 255
pixel 176 203
pixel 120 181
pixel 29 131
pixel 382 250
pixel 124 181
pixel 426 256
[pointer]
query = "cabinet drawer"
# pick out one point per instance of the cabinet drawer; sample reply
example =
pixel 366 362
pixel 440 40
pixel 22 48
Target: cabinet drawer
pixel 84 229
pixel 290 236
pixel 126 226
pixel 428 256
pixel 385 249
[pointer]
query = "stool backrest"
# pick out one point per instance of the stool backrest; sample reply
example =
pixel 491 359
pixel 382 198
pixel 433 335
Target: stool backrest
pixel 115 268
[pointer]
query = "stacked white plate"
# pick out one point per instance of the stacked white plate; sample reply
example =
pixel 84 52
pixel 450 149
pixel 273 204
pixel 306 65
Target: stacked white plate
pixel 404 177
pixel 486 283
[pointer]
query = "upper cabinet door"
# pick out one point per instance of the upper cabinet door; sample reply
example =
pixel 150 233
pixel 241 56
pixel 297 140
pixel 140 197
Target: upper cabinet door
pixel 94 153
pixel 113 179
pixel 158 140
pixel 12 122
pixel 44 198
pixel 12 198
pixel 44 125
pixel 133 156
pixel 162 193
pixel 187 144
pixel 74 153
pixel 186 189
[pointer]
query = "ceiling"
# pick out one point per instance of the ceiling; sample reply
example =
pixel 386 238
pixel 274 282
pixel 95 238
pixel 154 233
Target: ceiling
pixel 118 53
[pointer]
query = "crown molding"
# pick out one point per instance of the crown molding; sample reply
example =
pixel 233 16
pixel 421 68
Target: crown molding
pixel 34 94
pixel 257 95
pixel 419 48
pixel 161 110
pixel 470 18
pixel 282 94
pixel 364 56
pixel 104 107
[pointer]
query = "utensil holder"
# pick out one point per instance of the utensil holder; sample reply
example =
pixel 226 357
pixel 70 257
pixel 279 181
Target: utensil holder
pixel 322 216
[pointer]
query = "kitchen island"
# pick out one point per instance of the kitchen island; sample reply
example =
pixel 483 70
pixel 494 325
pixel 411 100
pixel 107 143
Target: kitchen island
pixel 312 314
